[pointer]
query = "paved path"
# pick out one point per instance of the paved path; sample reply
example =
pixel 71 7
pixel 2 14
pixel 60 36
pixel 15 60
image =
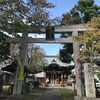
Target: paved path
pixel 50 94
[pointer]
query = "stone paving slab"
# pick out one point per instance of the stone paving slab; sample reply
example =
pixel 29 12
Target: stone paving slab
pixel 39 94
pixel 50 94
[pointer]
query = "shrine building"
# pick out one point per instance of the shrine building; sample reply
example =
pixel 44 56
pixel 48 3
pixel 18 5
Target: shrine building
pixel 56 70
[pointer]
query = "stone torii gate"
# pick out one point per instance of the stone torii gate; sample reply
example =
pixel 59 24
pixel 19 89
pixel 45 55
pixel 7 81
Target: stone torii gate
pixel 74 30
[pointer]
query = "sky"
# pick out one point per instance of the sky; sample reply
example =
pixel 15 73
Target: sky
pixel 62 6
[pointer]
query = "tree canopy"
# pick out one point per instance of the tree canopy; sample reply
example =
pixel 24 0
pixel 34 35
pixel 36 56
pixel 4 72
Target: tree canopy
pixel 19 15
pixel 90 41
pixel 4 51
pixel 65 54
pixel 35 58
pixel 81 13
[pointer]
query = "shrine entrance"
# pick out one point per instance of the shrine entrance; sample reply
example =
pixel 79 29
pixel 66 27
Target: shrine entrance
pixel 54 73
pixel 73 30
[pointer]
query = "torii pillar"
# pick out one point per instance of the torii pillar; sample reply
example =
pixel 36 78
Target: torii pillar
pixel 76 49
pixel 18 83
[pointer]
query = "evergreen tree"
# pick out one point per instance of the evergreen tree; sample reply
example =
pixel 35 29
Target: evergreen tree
pixel 4 47
pixel 66 53
pixel 82 12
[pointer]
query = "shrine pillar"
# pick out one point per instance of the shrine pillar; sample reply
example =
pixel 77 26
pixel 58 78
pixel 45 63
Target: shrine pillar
pixel 76 51
pixel 18 83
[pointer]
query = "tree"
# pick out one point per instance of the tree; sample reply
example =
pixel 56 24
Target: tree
pixel 65 54
pixel 80 13
pixel 69 19
pixel 22 16
pixel 87 9
pixel 18 15
pixel 4 51
pixel 90 41
pixel 35 58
